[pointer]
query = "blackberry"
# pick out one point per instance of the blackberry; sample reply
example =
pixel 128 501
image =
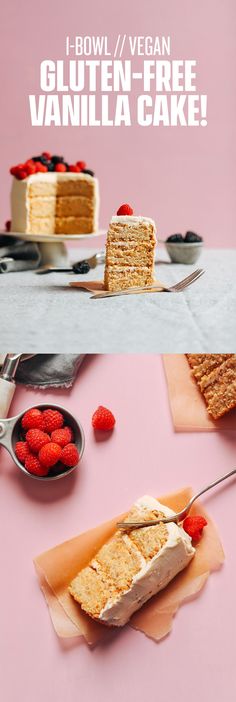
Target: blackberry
pixel 41 159
pixel 87 170
pixel 50 166
pixel 192 238
pixel 81 267
pixel 175 239
pixel 57 159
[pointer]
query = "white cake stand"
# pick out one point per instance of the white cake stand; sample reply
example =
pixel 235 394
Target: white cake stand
pixel 52 248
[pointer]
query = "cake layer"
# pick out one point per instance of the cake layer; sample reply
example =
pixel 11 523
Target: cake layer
pixel 130 252
pixel 143 230
pixel 61 225
pixel 132 566
pixel 62 206
pixel 121 277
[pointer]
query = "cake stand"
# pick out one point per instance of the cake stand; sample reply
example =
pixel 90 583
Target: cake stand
pixel 51 246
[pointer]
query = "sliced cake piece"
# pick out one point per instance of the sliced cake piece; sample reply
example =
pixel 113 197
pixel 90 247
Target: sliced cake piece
pixel 50 197
pixel 216 378
pixel 130 250
pixel 132 566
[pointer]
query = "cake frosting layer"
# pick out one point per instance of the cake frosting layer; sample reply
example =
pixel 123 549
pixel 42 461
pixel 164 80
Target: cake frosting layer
pixel 133 566
pixel 55 203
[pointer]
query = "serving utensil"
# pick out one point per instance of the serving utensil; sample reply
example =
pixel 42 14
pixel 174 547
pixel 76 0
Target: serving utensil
pixel 7 375
pixel 178 516
pixel 155 287
pixel 92 262
pixel 11 431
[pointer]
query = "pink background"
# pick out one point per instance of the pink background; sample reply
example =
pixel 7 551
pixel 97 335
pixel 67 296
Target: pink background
pixel 183 177
pixel 143 455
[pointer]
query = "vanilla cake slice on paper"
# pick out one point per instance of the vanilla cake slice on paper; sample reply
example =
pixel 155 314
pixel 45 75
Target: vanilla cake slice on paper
pixel 132 566
pixel 130 250
pixel 51 197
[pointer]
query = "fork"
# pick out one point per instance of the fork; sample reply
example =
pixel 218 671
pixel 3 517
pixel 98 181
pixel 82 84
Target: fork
pixel 155 287
pixel 178 516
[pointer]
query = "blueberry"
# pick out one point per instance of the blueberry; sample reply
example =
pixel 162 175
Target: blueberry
pixel 81 267
pixel 192 238
pixel 50 166
pixel 175 239
pixel 57 159
pixel 87 170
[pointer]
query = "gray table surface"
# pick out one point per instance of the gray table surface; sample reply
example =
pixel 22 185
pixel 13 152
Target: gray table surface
pixel 42 314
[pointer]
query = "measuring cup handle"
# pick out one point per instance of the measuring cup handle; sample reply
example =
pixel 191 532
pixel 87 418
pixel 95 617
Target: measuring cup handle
pixel 7 390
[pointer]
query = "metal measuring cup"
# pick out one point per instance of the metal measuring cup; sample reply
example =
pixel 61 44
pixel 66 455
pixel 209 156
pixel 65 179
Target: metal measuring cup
pixel 11 431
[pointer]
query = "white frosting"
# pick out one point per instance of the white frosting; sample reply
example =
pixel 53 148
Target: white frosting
pixel 154 575
pixel 20 199
pixel 131 219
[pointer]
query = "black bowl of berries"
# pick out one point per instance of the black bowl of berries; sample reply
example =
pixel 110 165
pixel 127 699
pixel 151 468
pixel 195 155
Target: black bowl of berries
pixel 184 249
pixel 46 442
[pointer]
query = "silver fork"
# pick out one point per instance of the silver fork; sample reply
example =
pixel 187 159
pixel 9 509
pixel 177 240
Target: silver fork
pixel 155 287
pixel 178 516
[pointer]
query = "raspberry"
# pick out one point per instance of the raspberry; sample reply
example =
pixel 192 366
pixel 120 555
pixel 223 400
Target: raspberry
pixel 36 439
pixel 21 451
pixel 125 210
pixel 21 174
pixel 60 167
pixel 53 420
pixel 40 167
pixel 13 170
pixel 33 419
pixel 30 168
pixel 194 526
pixel 47 155
pixel 70 455
pixel 33 465
pixel 81 165
pixel 62 436
pixel 103 419
pixel 74 169
pixel 49 454
pixel 8 225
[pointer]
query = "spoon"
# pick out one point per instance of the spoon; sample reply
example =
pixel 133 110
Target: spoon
pixel 179 516
pixel 11 431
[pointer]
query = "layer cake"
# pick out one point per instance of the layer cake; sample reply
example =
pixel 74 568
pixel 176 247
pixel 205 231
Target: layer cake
pixel 215 375
pixel 132 566
pixel 130 250
pixel 64 200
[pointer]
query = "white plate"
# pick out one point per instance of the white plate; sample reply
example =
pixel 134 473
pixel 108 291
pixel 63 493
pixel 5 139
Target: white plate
pixel 53 238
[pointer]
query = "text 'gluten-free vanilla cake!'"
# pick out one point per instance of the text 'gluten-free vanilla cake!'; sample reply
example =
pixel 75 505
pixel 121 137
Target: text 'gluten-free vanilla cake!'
pixel 130 250
pixel 132 566
pixel 49 196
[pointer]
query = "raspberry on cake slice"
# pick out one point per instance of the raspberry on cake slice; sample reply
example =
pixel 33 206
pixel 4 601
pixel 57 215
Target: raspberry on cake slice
pixel 132 566
pixel 130 250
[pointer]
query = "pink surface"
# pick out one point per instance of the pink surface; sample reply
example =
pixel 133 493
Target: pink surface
pixel 142 455
pixel 183 177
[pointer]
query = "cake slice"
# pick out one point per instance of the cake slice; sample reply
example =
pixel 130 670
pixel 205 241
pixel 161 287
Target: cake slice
pixel 53 198
pixel 132 566
pixel 130 250
pixel 215 375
